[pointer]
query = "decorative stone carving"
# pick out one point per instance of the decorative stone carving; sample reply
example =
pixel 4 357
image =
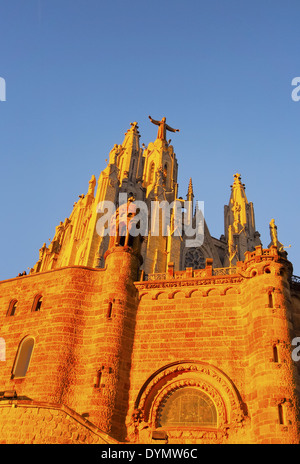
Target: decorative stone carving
pixel 188 282
pixel 205 377
pixel 163 127
pixel 138 430
pixel 211 392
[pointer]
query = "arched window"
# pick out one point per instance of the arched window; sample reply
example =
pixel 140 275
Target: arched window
pixel 37 303
pixel 165 173
pixel 188 407
pixel 2 349
pixel 12 308
pixel 23 358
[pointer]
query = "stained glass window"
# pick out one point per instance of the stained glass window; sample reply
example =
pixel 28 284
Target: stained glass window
pixel 188 407
pixel 194 258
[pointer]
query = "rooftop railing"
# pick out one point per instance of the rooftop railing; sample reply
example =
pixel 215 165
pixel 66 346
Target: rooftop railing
pixel 190 273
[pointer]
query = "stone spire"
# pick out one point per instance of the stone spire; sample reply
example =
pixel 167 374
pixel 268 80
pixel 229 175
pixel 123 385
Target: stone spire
pixel 238 203
pixel 190 193
pixel 240 232
pixel 190 200
pixel 129 160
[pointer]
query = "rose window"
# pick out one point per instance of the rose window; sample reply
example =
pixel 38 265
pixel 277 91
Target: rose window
pixel 194 258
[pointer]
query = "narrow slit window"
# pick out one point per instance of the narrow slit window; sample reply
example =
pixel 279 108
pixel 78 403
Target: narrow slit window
pixel 280 414
pixel 270 300
pixel 275 354
pixel 109 310
pixel 165 173
pixel 98 379
pixel 151 172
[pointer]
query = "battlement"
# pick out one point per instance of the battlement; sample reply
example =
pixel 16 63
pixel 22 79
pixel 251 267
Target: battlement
pixel 209 273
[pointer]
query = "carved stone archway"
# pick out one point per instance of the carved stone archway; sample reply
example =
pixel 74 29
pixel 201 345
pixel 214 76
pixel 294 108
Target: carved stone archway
pixel 200 376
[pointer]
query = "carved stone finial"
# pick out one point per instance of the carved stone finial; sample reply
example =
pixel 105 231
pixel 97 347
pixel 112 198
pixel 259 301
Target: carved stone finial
pixel 92 184
pixel 134 128
pixel 190 187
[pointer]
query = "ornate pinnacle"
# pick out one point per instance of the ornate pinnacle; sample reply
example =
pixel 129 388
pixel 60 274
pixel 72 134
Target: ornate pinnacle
pixel 190 185
pixel 134 128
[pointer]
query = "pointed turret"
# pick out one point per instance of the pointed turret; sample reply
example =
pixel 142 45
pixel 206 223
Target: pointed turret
pixel 240 232
pixel 190 200
pixel 128 160
pixel 190 193
pixel 238 203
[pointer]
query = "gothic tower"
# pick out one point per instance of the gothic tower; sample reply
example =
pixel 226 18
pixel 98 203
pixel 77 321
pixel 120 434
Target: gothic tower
pixel 240 232
pixel 160 182
pixel 119 302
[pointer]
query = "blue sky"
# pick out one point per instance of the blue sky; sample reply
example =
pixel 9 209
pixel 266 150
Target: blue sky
pixel 79 71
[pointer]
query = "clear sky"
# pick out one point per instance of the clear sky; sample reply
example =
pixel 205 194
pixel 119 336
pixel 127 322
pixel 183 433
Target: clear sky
pixel 77 72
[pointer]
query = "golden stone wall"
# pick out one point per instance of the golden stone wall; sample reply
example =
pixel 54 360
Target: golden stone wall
pixel 195 328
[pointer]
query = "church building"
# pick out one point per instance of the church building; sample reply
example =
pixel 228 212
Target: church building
pixel 137 326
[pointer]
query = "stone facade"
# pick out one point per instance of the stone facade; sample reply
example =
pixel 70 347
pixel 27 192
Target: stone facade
pixel 146 340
